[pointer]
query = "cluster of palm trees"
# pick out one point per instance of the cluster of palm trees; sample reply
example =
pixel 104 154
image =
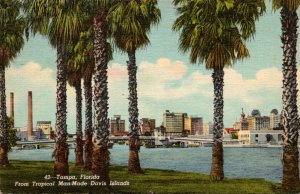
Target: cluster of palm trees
pixel 214 32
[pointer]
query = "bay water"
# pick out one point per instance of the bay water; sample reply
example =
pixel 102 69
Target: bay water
pixel 238 162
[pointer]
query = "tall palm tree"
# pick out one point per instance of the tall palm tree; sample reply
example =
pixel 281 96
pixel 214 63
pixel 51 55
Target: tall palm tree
pixel 74 80
pixel 60 21
pixel 100 160
pixel 11 42
pixel 84 61
pixel 289 114
pixel 214 32
pixel 131 22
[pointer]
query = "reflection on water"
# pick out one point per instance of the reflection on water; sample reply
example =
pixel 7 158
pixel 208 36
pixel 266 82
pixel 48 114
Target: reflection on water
pixel 239 162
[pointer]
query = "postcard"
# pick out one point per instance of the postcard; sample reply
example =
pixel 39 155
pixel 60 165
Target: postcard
pixel 169 96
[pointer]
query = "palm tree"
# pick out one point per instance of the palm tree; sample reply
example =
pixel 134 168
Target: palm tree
pixel 11 42
pixel 131 22
pixel 215 33
pixel 289 114
pixel 60 21
pixel 100 160
pixel 84 61
pixel 74 80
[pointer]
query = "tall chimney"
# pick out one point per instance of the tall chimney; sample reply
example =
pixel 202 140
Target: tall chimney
pixel 29 124
pixel 12 111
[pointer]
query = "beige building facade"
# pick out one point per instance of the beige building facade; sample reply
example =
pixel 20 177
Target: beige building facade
pixel 174 122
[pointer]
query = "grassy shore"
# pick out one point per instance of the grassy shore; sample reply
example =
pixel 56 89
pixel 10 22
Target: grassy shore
pixel 157 181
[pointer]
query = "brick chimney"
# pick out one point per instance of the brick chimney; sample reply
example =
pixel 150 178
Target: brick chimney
pixel 12 111
pixel 29 124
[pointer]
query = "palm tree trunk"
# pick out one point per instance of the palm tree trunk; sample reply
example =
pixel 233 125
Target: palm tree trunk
pixel 100 161
pixel 88 146
pixel 79 142
pixel 61 151
pixel 217 172
pixel 289 115
pixel 3 121
pixel 134 144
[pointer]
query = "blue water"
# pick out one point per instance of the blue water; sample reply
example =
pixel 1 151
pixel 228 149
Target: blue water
pixel 238 162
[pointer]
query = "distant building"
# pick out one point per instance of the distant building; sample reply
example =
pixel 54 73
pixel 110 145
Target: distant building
pixel 147 126
pixel 242 124
pixel 230 131
pixel 45 128
pixel 193 125
pixel 260 137
pixel 274 119
pixel 117 125
pixel 174 122
pixel 22 134
pixel 257 122
pixel 207 128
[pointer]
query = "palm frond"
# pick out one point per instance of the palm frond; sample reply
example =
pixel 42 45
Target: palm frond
pixel 214 31
pixel 131 21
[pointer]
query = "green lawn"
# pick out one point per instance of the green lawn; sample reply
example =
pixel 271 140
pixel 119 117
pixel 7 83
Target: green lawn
pixel 157 181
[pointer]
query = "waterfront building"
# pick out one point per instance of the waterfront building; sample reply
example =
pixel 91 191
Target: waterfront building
pixel 174 122
pixel 242 124
pixel 274 119
pixel 258 122
pixel 45 128
pixel 207 128
pixel 147 126
pixel 193 125
pixel 250 137
pixel 117 125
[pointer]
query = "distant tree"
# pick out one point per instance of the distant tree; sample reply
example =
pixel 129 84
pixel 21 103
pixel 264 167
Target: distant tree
pixel 234 136
pixel 12 134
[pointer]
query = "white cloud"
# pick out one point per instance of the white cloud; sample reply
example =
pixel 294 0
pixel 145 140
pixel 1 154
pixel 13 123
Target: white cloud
pixel 168 79
pixel 252 91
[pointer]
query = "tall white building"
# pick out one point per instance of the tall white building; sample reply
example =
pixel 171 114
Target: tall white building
pixel 274 119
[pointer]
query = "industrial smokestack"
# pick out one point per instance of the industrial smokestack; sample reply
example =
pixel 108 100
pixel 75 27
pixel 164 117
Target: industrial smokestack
pixel 29 124
pixel 12 111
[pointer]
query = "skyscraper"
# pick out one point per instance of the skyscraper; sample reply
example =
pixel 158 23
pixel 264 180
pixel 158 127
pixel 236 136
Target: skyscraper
pixel 174 122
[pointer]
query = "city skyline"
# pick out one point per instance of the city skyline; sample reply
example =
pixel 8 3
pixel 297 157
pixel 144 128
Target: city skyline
pixel 166 79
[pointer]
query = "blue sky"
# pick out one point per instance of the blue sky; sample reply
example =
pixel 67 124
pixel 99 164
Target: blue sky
pixel 166 79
